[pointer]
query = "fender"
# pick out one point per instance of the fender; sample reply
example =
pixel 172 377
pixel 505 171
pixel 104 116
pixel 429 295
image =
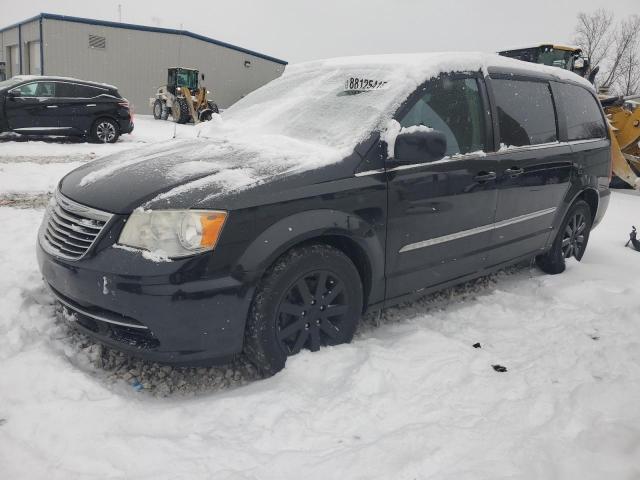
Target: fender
pixel 304 226
pixel 570 197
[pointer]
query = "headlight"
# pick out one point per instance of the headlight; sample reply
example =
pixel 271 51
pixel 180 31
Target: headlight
pixel 173 233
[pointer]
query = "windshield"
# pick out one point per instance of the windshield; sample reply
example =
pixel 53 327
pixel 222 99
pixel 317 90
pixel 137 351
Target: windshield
pixel 556 58
pixel 312 105
pixel 187 79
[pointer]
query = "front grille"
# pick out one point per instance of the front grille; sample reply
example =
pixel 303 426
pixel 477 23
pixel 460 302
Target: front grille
pixel 70 229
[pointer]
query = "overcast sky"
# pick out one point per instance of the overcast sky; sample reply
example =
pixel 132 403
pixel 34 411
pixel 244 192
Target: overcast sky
pixel 298 30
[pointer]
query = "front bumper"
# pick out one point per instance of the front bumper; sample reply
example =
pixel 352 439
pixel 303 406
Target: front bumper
pixel 135 305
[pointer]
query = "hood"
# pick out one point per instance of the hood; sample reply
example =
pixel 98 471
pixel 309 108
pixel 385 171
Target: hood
pixel 196 172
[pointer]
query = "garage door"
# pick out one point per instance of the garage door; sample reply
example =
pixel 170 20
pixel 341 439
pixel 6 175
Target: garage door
pixel 34 58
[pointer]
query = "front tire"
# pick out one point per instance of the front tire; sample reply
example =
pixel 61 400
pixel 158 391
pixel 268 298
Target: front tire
pixel 312 296
pixel 105 130
pixel 180 111
pixel 571 239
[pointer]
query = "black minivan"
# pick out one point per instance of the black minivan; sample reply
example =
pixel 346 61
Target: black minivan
pixel 34 105
pixel 344 186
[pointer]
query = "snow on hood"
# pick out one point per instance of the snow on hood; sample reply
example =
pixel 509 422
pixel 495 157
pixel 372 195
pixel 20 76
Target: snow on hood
pixel 302 120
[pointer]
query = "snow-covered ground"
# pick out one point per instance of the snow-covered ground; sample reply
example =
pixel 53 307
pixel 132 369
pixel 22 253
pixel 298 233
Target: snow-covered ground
pixel 410 398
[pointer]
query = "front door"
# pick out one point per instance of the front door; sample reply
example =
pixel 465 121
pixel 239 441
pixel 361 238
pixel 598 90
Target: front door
pixel 32 107
pixel 440 213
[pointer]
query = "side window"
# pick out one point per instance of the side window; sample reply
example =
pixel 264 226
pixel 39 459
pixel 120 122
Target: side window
pixel 27 90
pixel 581 112
pixel 452 106
pixel 86 91
pixel 36 89
pixel 526 115
pixel 66 90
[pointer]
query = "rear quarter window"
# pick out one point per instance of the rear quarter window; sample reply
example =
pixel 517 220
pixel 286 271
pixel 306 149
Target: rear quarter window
pixel 581 112
pixel 526 115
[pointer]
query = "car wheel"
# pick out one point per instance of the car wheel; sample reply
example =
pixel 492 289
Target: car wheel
pixel 105 130
pixel 158 108
pixel 310 297
pixel 571 239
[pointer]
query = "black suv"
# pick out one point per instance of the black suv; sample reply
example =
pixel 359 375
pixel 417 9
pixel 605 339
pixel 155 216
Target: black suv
pixel 344 186
pixel 63 106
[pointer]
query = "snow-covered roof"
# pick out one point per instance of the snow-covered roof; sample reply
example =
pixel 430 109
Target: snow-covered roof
pixel 304 119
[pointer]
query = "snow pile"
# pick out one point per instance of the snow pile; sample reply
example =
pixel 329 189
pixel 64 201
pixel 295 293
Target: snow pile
pixel 409 398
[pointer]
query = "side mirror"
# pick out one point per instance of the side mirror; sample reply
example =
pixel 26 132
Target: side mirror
pixel 13 94
pixel 420 146
pixel 202 76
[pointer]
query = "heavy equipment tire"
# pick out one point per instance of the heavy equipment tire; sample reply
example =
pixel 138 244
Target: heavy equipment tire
pixel 213 107
pixel 105 130
pixel 180 111
pixel 205 115
pixel 311 296
pixel 571 239
pixel 158 108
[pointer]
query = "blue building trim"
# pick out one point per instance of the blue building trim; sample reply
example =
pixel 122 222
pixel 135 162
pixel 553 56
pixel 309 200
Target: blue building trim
pixel 142 28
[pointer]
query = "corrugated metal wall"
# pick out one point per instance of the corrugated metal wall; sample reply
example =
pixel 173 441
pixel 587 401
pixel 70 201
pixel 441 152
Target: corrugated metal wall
pixel 137 61
pixel 10 38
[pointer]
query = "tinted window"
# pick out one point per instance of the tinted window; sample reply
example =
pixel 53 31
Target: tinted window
pixel 581 112
pixel 74 90
pixel 525 112
pixel 454 107
pixel 36 89
pixel 85 91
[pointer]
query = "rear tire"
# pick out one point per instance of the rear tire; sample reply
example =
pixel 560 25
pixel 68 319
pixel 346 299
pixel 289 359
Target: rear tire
pixel 158 108
pixel 571 239
pixel 311 296
pixel 105 130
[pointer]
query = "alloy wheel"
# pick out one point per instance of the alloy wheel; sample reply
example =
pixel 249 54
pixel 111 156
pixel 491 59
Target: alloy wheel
pixel 573 239
pixel 312 312
pixel 106 132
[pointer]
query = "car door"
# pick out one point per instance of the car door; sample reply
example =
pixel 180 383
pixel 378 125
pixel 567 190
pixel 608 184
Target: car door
pixel 534 168
pixel 23 108
pixel 49 114
pixel 67 104
pixel 440 213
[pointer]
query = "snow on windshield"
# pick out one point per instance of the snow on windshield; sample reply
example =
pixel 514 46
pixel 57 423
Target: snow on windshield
pixel 302 120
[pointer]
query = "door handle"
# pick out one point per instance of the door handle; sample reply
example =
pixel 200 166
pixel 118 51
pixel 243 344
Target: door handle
pixel 514 171
pixel 52 106
pixel 485 176
pixel 91 105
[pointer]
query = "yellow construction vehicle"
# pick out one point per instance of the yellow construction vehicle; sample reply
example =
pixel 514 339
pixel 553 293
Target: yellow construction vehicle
pixel 623 112
pixel 183 98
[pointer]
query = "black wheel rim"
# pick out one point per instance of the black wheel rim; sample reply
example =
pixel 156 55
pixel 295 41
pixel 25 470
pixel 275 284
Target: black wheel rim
pixel 312 312
pixel 573 238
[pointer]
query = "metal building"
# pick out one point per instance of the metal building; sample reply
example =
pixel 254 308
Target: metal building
pixel 135 58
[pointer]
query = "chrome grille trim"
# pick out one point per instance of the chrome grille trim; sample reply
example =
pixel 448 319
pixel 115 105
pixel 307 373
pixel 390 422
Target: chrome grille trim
pixel 70 229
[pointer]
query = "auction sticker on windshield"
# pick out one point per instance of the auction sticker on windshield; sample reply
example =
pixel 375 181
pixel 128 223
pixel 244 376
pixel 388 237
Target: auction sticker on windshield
pixel 359 84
